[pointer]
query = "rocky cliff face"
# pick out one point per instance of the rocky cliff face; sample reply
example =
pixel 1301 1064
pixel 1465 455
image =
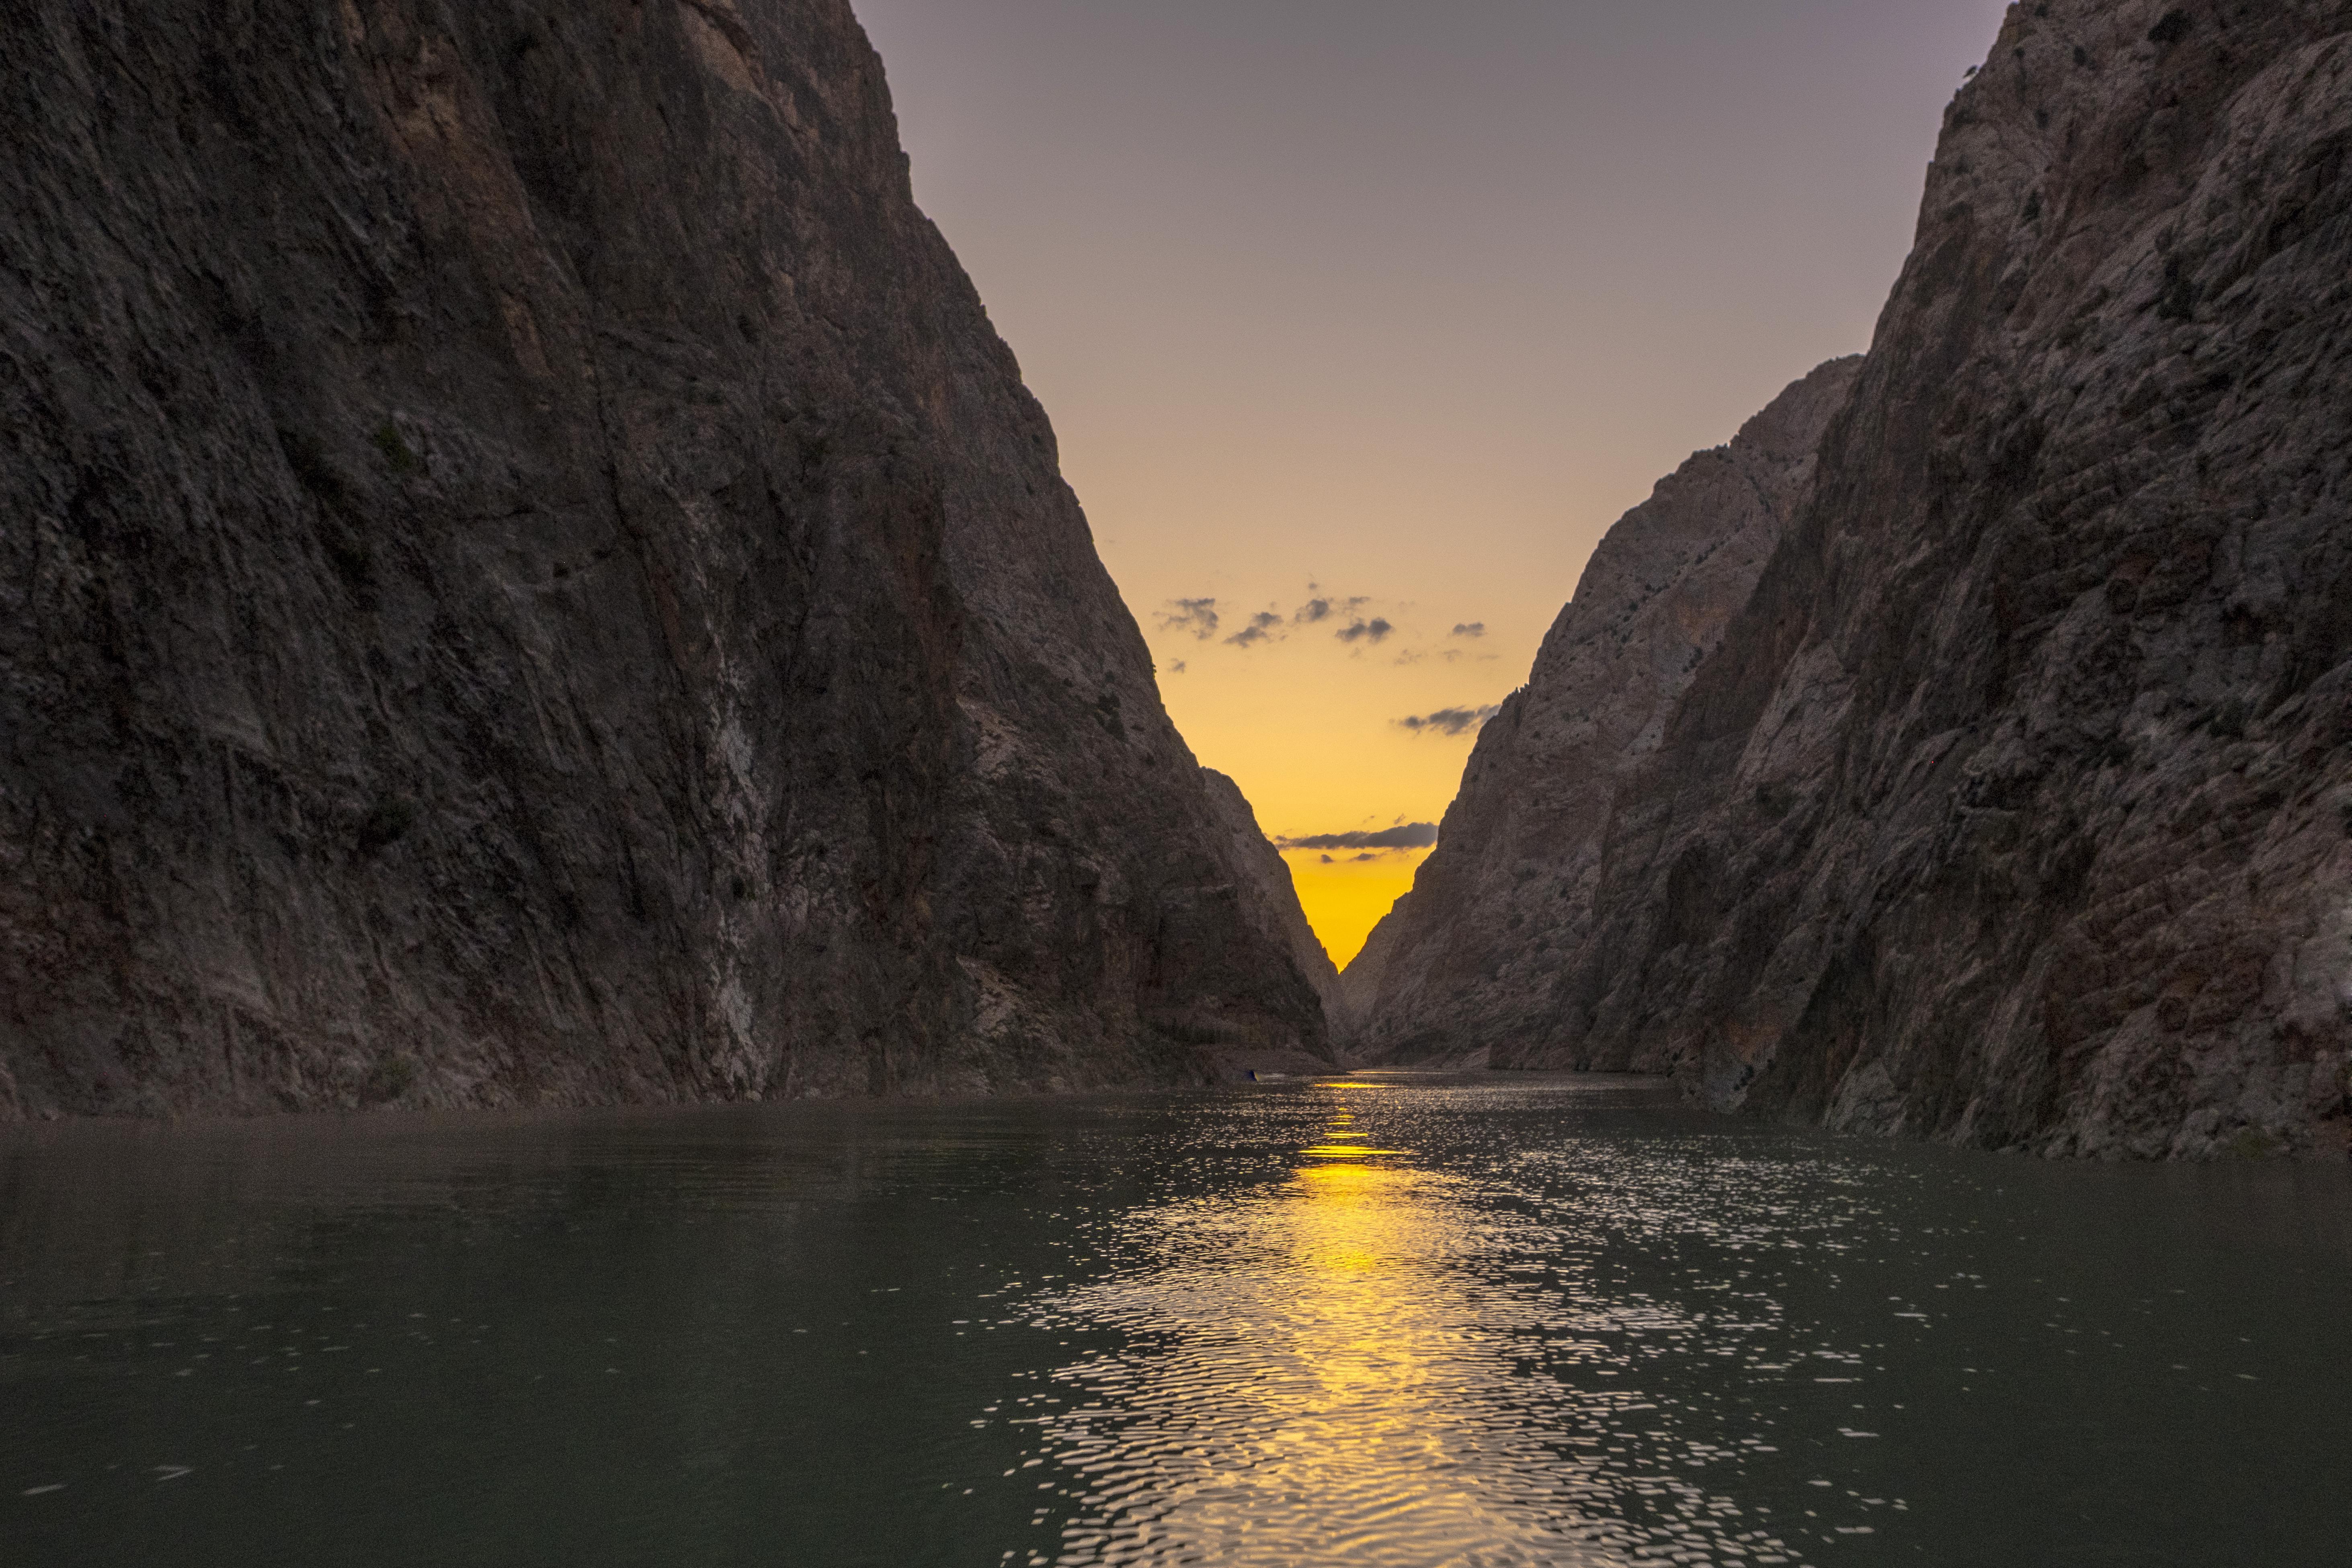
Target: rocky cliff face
pixel 2016 807
pixel 525 574
pixel 1465 962
pixel 1269 897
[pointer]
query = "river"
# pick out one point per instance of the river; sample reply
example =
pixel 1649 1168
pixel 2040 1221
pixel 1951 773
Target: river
pixel 1389 1321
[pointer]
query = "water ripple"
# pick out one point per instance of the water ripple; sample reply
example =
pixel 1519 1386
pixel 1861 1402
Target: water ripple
pixel 1374 1361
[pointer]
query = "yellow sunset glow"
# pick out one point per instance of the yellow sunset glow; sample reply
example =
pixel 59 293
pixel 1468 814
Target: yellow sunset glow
pixel 1312 726
pixel 1345 901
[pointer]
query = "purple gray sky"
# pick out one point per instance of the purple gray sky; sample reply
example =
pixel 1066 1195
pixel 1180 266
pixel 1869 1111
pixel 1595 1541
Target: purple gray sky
pixel 1407 301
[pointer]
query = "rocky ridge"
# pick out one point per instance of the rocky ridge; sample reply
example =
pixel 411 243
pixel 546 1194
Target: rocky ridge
pixel 526 576
pixel 1463 964
pixel 2015 809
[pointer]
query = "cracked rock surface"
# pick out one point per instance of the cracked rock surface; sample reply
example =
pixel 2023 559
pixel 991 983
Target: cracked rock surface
pixel 526 576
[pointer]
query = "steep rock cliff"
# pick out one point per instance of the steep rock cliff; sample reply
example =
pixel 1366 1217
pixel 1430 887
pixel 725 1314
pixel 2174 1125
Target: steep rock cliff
pixel 525 574
pixel 1269 897
pixel 1465 962
pixel 2016 808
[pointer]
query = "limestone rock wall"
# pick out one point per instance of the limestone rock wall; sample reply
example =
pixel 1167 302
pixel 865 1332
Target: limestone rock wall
pixel 526 575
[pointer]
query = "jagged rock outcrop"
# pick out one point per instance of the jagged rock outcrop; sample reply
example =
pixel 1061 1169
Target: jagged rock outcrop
pixel 1465 962
pixel 525 574
pixel 2016 807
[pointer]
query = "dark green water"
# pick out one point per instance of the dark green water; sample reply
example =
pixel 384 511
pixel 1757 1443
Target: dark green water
pixel 1381 1322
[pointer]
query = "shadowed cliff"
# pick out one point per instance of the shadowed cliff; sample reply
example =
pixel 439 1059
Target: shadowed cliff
pixel 525 574
pixel 1465 962
pixel 2015 807
pixel 1264 877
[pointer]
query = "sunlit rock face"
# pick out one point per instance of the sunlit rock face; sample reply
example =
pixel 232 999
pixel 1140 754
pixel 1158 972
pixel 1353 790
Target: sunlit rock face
pixel 2016 807
pixel 1464 964
pixel 526 575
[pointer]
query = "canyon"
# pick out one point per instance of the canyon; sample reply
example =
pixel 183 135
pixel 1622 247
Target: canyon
pixel 527 577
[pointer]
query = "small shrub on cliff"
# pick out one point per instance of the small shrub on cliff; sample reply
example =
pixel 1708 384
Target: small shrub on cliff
pixel 2253 1143
pixel 354 562
pixel 395 452
pixel 389 1080
pixel 386 823
pixel 1775 800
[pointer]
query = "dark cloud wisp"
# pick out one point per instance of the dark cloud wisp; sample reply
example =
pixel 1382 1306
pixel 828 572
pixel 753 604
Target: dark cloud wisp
pixel 1263 628
pixel 1374 630
pixel 1198 616
pixel 1412 835
pixel 1450 720
pixel 1323 607
pixel 1470 629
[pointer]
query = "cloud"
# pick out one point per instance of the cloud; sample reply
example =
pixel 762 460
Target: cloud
pixel 1176 667
pixel 1471 629
pixel 1198 616
pixel 1327 859
pixel 1450 720
pixel 1264 627
pixel 1324 606
pixel 1374 630
pixel 1368 857
pixel 1412 835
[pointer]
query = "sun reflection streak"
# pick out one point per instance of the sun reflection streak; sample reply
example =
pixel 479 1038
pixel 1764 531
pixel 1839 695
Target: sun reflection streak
pixel 1331 1369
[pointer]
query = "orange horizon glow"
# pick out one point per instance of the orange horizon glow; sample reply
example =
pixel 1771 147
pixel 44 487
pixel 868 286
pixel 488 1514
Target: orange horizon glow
pixel 1346 900
pixel 1313 730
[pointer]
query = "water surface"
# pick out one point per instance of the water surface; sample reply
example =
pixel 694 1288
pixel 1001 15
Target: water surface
pixel 1392 1320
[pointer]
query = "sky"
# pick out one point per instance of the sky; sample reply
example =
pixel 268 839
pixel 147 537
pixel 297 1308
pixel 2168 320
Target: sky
pixel 1359 321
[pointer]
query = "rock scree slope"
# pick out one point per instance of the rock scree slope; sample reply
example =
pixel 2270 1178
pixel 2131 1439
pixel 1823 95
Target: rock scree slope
pixel 2015 807
pixel 526 576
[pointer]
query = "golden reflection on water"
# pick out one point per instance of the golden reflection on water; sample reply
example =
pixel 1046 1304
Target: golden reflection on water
pixel 1319 1373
